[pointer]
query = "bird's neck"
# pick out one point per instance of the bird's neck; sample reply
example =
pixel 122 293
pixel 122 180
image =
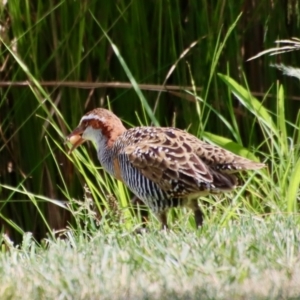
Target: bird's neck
pixel 105 147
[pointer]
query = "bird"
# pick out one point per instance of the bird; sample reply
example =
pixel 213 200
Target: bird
pixel 164 167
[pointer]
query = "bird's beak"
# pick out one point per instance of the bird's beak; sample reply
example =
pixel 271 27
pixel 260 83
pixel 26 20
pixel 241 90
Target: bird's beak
pixel 75 138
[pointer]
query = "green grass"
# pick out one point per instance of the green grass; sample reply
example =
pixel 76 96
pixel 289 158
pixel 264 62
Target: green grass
pixel 252 258
pixel 184 45
pixel 248 247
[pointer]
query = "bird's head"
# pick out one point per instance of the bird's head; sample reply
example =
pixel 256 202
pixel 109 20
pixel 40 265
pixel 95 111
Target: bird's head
pixel 97 125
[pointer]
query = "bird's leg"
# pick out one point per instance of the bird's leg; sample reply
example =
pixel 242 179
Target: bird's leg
pixel 162 217
pixel 139 207
pixel 198 215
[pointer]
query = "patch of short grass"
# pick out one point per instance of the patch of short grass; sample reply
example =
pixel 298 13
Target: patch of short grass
pixel 252 258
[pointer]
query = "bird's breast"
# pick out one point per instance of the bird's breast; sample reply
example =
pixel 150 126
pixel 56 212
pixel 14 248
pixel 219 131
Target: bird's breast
pixel 117 169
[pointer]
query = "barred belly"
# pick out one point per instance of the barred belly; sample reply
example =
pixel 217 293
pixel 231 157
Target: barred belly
pixel 146 190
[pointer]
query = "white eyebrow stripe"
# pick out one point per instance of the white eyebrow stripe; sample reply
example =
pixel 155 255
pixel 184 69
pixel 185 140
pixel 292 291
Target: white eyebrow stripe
pixel 92 117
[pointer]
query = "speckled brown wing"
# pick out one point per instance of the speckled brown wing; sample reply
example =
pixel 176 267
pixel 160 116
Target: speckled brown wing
pixel 172 158
pixel 220 159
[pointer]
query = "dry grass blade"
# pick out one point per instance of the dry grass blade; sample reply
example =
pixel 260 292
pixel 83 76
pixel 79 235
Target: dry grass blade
pixel 287 70
pixel 95 85
pixel 292 45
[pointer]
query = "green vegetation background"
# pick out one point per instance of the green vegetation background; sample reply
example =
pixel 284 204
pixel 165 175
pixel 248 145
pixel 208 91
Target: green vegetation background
pixel 51 52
